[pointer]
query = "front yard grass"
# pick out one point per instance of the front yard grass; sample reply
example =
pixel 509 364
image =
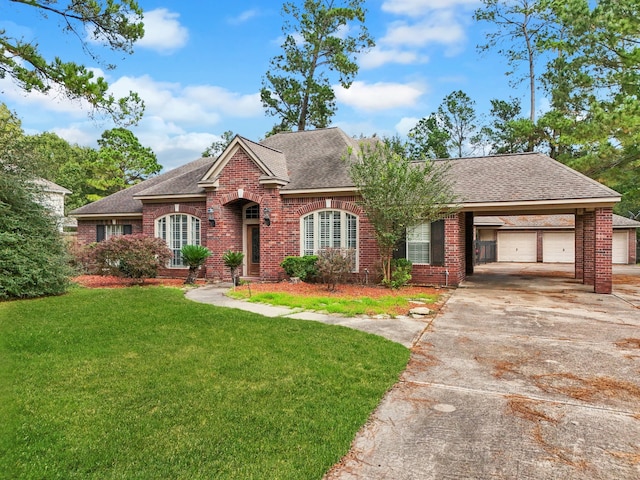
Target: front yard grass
pixel 142 383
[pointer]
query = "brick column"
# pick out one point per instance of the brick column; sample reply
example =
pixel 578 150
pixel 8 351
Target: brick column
pixel 579 249
pixel 602 251
pixel 589 244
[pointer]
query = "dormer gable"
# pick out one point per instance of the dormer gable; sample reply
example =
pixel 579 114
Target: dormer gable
pixel 271 163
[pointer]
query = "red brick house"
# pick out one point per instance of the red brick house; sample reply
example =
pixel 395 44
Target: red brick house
pixel 291 194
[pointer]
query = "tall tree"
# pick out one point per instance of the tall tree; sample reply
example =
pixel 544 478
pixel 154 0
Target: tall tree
pixel 458 116
pixel 398 194
pixel 217 147
pixel 428 139
pixel 519 25
pixel 123 161
pixel 32 253
pixel 324 36
pixel 594 85
pixel 116 24
pixel 508 132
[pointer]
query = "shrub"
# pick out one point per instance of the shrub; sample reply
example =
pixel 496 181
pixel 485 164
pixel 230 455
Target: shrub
pixel 334 264
pixel 33 257
pixel 400 275
pixel 131 256
pixel 233 260
pixel 305 268
pixel 194 256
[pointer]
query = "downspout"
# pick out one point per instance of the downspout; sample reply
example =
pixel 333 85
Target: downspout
pixel 446 277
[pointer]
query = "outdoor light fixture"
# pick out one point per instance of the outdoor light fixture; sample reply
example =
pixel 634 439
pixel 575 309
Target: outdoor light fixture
pixel 212 220
pixel 266 216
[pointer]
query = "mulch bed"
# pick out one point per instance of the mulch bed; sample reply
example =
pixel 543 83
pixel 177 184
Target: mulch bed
pixel 106 281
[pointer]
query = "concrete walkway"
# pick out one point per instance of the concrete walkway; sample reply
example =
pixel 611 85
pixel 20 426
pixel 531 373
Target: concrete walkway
pixel 520 376
pixel 405 331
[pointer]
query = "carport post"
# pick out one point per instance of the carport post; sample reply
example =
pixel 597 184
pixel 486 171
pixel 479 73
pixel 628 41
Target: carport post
pixel 579 247
pixel 603 250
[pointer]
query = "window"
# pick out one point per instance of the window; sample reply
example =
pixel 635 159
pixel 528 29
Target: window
pixel 419 244
pixel 329 228
pixel 178 230
pixel 104 232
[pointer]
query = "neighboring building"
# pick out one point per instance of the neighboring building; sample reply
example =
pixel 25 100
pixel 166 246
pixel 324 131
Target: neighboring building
pixel 545 238
pixel 291 194
pixel 52 198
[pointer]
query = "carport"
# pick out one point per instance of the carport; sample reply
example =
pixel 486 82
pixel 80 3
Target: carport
pixel 535 184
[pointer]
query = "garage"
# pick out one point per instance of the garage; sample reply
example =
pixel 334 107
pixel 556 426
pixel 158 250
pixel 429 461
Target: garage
pixel 620 247
pixel 558 247
pixel 517 247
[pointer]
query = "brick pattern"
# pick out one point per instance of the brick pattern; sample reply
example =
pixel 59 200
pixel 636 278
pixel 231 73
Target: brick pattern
pixel 87 228
pixel 589 239
pixel 579 247
pixel 240 186
pixel 603 249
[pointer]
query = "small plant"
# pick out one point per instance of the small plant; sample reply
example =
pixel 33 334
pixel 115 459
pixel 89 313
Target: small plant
pixel 304 268
pixel 233 260
pixel 400 275
pixel 194 256
pixel 131 256
pixel 334 264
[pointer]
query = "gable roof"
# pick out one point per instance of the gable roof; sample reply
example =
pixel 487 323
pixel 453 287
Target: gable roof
pixel 314 158
pixel 313 162
pixel 50 187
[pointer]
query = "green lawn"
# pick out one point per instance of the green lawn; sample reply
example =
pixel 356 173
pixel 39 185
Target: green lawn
pixel 141 383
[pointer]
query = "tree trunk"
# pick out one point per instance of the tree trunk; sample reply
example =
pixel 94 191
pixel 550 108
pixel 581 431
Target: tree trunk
pixel 191 277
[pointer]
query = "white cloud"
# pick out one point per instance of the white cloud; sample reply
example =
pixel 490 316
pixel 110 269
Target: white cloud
pixel 414 8
pixel 244 16
pixel 379 96
pixel 163 31
pixel 75 134
pixel 441 27
pixel 188 105
pixel 405 124
pixel 379 56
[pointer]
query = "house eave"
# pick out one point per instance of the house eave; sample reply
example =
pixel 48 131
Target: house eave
pixel 560 205
pixel 320 191
pixel 99 216
pixel 163 198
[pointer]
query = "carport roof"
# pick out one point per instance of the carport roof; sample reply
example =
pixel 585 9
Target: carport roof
pixel 524 177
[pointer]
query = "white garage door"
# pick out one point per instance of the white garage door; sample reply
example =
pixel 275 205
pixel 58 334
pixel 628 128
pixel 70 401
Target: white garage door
pixel 558 247
pixel 620 247
pixel 517 247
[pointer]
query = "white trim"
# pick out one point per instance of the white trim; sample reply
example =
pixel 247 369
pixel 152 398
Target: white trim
pixel 190 240
pixel 160 198
pixel 321 191
pixel 344 225
pixel 105 215
pixel 584 202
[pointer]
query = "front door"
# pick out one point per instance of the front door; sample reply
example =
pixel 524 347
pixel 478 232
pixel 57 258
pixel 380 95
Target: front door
pixel 253 250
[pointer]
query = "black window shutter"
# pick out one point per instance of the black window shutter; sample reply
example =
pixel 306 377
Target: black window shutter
pixel 400 250
pixel 100 233
pixel 127 229
pixel 437 243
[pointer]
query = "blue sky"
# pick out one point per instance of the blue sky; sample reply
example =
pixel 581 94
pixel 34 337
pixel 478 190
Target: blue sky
pixel 200 65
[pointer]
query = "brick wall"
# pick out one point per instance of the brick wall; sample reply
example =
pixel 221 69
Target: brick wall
pixel 603 248
pixel 87 228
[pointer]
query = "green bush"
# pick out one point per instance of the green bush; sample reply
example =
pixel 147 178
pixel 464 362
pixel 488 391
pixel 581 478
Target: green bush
pixel 400 274
pixel 194 256
pixel 233 260
pixel 33 256
pixel 305 268
pixel 131 256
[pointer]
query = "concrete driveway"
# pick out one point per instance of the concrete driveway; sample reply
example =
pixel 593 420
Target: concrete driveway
pixel 519 377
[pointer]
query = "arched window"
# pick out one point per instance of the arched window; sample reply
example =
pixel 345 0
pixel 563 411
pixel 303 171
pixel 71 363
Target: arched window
pixel 178 230
pixel 329 229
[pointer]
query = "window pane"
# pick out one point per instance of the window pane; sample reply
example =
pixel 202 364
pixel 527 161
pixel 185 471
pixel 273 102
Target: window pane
pixel 351 231
pixel 418 239
pixel 325 230
pixel 252 212
pixel 308 225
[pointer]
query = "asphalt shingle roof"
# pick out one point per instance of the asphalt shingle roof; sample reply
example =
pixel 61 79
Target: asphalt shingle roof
pixel 521 177
pixel 124 201
pixel 315 160
pixel 543 221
